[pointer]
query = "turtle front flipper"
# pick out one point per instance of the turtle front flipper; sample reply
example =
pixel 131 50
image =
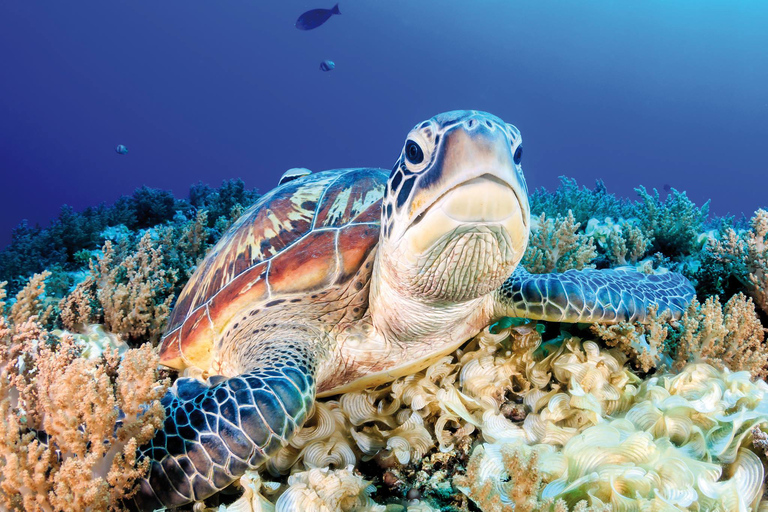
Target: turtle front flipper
pixel 605 296
pixel 214 431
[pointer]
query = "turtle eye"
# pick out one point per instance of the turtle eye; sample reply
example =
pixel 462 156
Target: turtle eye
pixel 413 152
pixel 518 154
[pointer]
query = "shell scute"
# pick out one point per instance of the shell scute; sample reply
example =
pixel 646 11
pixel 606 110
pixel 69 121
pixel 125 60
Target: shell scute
pixel 347 199
pixel 358 241
pixel 309 265
pixel 197 337
pixel 285 243
pixel 249 287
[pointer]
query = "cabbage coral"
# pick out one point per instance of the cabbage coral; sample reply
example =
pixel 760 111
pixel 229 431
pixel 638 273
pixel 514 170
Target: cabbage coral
pixel 679 447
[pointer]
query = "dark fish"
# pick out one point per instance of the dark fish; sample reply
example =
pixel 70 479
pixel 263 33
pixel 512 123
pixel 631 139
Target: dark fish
pixel 315 18
pixel 327 65
pixel 667 187
pixel 121 150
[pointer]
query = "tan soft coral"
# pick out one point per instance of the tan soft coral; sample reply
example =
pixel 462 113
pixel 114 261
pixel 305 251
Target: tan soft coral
pixel 746 254
pixel 31 301
pixel 728 336
pixel 131 291
pixel 89 459
pixel 556 245
pixel 642 343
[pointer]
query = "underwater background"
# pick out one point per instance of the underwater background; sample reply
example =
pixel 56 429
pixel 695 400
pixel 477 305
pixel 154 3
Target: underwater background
pixel 634 93
pixel 134 134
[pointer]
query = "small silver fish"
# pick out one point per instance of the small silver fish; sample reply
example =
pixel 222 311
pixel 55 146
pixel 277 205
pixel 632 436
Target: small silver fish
pixel 121 150
pixel 316 17
pixel 327 65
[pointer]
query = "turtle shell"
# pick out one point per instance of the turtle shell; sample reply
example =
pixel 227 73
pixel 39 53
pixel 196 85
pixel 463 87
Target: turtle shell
pixel 309 234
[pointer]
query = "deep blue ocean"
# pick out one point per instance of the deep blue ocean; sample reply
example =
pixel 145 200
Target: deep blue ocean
pixel 633 92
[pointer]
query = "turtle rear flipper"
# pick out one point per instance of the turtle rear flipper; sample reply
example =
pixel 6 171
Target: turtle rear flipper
pixel 214 431
pixel 592 296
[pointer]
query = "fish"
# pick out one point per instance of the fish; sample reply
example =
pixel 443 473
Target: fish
pixel 316 17
pixel 327 65
pixel 121 150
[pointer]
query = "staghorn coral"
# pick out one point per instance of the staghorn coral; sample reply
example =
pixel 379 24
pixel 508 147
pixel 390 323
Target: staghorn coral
pixel 94 412
pixel 557 246
pixel 744 254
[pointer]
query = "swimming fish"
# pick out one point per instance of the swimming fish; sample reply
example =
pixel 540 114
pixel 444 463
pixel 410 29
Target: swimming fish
pixel 315 18
pixel 121 150
pixel 327 65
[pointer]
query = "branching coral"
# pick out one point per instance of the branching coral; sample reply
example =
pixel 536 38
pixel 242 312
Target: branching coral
pixel 583 202
pixel 130 291
pixel 622 242
pixel 745 255
pixel 94 412
pixel 728 336
pixel 644 344
pixel 674 224
pixel 135 294
pixel 31 302
pixel 556 245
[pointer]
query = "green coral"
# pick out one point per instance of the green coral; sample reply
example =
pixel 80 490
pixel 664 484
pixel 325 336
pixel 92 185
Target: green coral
pixel 674 224
pixel 583 203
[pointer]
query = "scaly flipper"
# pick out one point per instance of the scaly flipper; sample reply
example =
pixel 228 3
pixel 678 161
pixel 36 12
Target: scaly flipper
pixel 216 430
pixel 605 296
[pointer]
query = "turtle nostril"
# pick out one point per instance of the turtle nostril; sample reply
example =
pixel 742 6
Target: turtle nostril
pixel 488 123
pixel 470 123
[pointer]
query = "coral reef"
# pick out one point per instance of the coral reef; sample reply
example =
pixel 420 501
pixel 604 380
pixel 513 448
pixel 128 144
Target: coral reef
pixel 666 415
pixel 622 242
pixel 94 412
pixel 34 249
pixel 556 245
pixel 584 203
pixel 744 255
pixel 674 225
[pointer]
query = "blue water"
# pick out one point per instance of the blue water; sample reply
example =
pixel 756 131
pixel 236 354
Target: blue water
pixel 648 92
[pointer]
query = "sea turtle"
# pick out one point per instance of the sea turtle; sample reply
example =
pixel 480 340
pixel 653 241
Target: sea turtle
pixel 348 278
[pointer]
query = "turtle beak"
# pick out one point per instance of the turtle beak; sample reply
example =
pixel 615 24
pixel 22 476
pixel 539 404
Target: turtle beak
pixel 474 179
pixel 475 183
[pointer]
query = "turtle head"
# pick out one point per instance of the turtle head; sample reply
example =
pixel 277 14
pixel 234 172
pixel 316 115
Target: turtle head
pixel 456 217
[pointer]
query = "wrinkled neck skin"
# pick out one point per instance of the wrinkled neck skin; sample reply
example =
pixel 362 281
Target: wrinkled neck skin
pixel 435 300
